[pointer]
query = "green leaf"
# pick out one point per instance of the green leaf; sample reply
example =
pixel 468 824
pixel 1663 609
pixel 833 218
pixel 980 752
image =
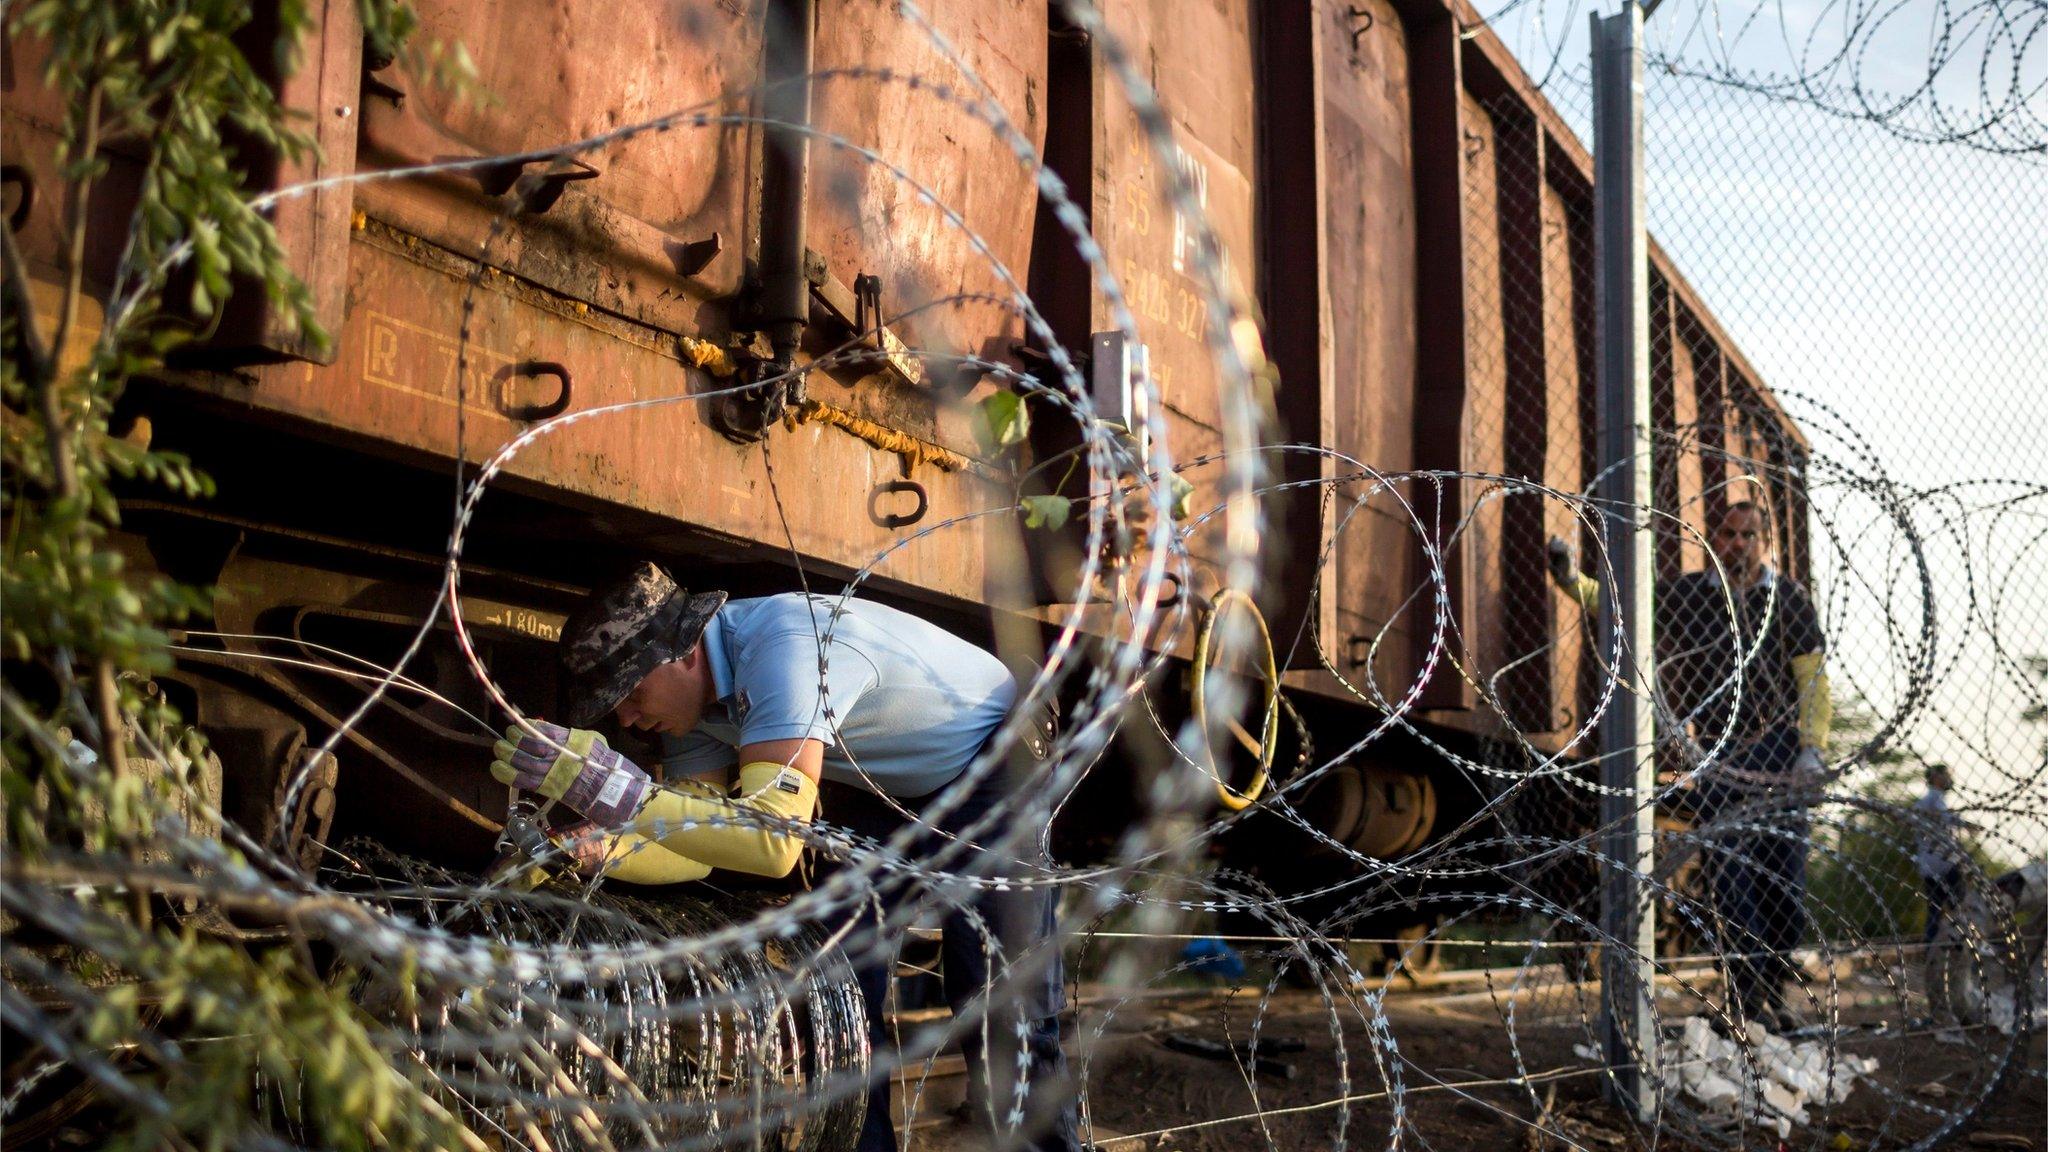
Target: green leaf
pixel 1001 420
pixel 1183 492
pixel 160 44
pixel 1046 511
pixel 169 74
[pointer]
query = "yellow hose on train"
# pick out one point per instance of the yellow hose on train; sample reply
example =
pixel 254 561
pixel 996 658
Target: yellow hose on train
pixel 1269 735
pixel 910 448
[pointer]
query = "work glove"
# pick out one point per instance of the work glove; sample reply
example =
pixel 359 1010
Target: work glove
pixel 584 846
pixel 574 766
pixel 1807 767
pixel 1564 567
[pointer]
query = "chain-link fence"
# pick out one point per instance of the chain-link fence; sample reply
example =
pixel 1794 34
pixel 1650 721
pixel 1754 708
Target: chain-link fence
pixel 1881 284
pixel 1847 499
pixel 1844 497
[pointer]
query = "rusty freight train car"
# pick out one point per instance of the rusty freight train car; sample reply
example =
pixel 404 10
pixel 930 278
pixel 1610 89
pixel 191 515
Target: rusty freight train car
pixel 1407 215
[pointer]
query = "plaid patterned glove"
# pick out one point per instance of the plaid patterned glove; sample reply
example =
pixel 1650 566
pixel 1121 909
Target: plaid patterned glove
pixel 575 766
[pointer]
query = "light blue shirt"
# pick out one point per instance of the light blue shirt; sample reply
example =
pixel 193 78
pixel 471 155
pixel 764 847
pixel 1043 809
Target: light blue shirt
pixel 1936 848
pixel 901 700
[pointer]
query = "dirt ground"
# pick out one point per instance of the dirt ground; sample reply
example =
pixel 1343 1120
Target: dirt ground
pixel 1143 1083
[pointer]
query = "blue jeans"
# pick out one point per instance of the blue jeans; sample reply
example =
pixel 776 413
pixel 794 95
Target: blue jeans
pixel 1023 922
pixel 1754 850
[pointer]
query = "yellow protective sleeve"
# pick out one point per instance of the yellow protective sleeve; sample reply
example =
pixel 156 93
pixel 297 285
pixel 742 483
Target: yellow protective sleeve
pixel 1586 591
pixel 1816 701
pixel 635 859
pixel 683 822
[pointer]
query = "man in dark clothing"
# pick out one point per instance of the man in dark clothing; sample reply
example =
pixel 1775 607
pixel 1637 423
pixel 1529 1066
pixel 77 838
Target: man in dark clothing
pixel 1742 662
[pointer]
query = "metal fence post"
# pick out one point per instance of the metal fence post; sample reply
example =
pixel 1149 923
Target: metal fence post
pixel 1628 764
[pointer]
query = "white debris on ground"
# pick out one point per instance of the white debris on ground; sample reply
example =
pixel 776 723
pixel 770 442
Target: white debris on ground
pixel 2002 1011
pixel 1728 1081
pixel 1769 1079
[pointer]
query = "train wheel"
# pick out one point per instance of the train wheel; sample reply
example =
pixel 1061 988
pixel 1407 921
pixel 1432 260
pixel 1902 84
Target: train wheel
pixel 1415 954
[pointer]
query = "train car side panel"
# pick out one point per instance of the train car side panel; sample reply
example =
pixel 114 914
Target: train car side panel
pixel 866 220
pixel 609 225
pixel 530 353
pixel 1371 285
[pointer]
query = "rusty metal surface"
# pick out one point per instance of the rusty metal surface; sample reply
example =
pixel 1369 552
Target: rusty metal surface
pixel 1435 47
pixel 1490 70
pixel 1485 634
pixel 1204 70
pixel 1567 255
pixel 394 381
pixel 1674 414
pixel 312 230
pixel 1527 326
pixel 1294 210
pixel 1203 64
pixel 1508 637
pixel 30 119
pixel 31 122
pixel 1372 284
pixel 1402 162
pixel 865 221
pixel 1528 603
pixel 1708 371
pixel 551 74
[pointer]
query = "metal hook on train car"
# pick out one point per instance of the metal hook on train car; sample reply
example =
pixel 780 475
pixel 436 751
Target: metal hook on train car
pixel 13 176
pixel 889 488
pixel 1171 599
pixel 532 192
pixel 1363 22
pixel 744 414
pixel 1357 650
pixel 531 412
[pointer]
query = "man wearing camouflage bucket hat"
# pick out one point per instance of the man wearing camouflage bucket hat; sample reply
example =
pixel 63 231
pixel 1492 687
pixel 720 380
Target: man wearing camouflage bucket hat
pixel 794 690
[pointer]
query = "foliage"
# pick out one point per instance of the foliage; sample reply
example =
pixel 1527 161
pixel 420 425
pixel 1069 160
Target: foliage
pixel 2037 666
pixel 301 1050
pixel 1045 511
pixel 1001 420
pixel 167 84
pixel 1865 884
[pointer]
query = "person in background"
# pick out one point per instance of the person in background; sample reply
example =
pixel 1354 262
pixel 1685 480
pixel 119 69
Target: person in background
pixel 1741 659
pixel 1937 852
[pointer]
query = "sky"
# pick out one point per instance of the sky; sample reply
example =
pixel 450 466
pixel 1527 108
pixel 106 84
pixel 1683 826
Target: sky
pixel 1895 291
